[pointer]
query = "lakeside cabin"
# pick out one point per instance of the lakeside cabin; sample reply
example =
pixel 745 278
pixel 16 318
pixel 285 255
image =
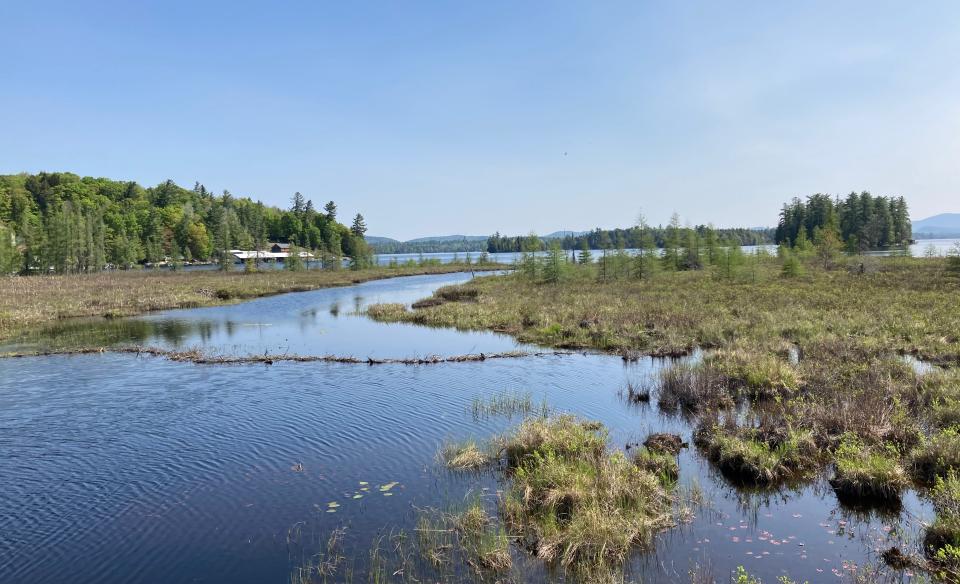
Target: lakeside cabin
pixel 278 252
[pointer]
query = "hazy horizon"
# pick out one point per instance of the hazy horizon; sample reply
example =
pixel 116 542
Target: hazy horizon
pixel 442 119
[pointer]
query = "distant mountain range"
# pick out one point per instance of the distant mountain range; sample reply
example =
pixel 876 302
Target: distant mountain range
pixel 942 225
pixel 444 243
pixel 375 239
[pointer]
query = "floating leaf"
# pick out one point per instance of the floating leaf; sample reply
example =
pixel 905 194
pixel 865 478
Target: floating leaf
pixel 358 496
pixel 364 483
pixel 333 504
pixel 388 486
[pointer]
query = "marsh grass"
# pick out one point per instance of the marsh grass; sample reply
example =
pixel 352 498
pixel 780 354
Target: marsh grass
pixel 466 455
pixel 941 541
pixel 508 404
pixel 867 473
pixel 30 301
pixel 661 464
pixel 572 502
pixel 903 304
pixel 937 456
pixel 637 392
pixel 759 456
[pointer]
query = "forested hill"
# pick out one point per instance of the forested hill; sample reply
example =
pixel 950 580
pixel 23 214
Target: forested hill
pixel 74 224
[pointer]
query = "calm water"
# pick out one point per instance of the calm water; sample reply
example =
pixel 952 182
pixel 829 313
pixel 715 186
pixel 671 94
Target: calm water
pixel 923 247
pixel 117 468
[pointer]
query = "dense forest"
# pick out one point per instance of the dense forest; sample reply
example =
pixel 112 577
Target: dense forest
pixel 65 223
pixel 432 246
pixel 630 238
pixel 861 221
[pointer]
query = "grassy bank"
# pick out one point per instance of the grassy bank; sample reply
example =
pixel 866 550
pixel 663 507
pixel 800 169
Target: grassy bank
pixel 27 302
pixel 903 304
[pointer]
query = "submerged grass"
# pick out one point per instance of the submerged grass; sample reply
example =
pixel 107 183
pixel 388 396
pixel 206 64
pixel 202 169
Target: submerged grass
pixel 508 404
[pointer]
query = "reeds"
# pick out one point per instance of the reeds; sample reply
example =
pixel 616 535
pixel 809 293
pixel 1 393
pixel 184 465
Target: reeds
pixel 508 404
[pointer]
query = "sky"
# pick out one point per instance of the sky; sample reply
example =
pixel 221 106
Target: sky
pixel 435 118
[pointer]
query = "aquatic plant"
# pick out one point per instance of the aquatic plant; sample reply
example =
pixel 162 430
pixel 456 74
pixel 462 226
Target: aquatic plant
pixel 508 404
pixel 466 455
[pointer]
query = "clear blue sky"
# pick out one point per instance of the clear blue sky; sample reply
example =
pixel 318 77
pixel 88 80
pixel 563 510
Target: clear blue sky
pixel 470 117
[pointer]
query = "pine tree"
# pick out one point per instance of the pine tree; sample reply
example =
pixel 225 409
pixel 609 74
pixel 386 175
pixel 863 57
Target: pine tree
pixel 335 258
pixel 586 258
pixel 729 259
pixel 792 267
pixel 298 205
pixel 953 262
pixel 828 246
pixel 555 266
pixel 331 210
pixel 359 227
pixel 645 262
pixel 294 262
pixel 671 244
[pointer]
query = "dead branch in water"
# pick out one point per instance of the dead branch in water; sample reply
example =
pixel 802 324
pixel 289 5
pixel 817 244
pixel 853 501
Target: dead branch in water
pixel 200 358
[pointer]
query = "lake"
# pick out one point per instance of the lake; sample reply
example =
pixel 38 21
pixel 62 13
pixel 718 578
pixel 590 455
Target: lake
pixel 122 468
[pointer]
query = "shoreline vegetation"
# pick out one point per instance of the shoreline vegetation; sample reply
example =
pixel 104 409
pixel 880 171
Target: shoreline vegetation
pixel 34 301
pixel 815 365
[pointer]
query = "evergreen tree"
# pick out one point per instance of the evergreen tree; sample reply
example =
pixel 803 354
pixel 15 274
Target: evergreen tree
pixel 645 262
pixel 331 210
pixel 828 246
pixel 586 258
pixel 294 262
pixel 792 267
pixel 359 228
pixel 711 244
pixel 729 259
pixel 298 204
pixel 953 261
pixel 671 244
pixel 555 266
pixel 529 263
pixel 335 261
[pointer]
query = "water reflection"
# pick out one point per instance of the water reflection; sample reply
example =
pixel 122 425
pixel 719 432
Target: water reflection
pixel 304 323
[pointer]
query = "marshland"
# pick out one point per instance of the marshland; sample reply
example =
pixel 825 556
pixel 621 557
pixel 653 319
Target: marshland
pixel 749 422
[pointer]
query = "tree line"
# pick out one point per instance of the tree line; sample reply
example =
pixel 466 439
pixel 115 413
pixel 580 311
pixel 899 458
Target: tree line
pixel 861 221
pixel 632 238
pixel 435 246
pixel 66 223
